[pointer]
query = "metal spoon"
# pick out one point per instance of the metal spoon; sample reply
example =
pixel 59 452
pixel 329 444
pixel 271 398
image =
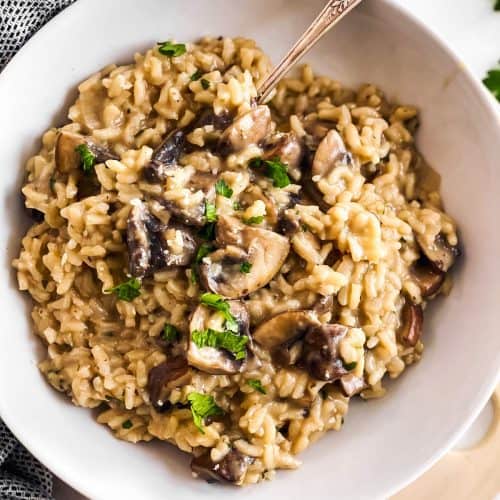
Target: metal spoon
pixel 332 13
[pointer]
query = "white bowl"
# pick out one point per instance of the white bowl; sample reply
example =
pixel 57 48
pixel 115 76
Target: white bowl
pixel 384 444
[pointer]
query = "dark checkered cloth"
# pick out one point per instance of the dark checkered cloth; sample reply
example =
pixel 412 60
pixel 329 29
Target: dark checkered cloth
pixel 22 477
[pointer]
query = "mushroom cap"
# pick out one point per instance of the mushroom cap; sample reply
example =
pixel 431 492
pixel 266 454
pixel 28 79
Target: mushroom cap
pixel 231 468
pixel 165 157
pixel 439 252
pixel 427 277
pixel 265 250
pixel 352 385
pixel 320 354
pixel 412 318
pixel 284 328
pixel 211 359
pixel 251 128
pixel 331 150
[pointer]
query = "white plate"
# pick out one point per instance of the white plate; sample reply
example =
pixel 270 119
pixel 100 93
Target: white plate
pixel 384 444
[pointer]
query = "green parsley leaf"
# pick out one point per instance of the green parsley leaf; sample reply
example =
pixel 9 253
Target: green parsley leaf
pixel 205 83
pixel 254 220
pixel 497 5
pixel 171 49
pixel 245 267
pixel 194 277
pixel 350 366
pixel 235 344
pixel 127 291
pixel 257 385
pixel 202 406
pixel 196 75
pixel 275 169
pixel 170 333
pixel 207 232
pixel 210 212
pixel 127 424
pixel 203 250
pixel 237 206
pixel 87 158
pixel 223 189
pixel 492 81
pixel 216 302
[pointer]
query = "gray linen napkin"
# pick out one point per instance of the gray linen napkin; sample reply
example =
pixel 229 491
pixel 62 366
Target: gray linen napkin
pixel 22 477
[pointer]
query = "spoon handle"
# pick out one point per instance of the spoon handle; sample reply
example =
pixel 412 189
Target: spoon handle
pixel 333 12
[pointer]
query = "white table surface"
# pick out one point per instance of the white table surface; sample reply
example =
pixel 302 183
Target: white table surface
pixel 472 29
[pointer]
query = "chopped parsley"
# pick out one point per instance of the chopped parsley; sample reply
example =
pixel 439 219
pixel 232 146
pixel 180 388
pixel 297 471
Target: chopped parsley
pixel 275 169
pixel 170 333
pixel 210 212
pixel 350 366
pixel 171 49
pixel 202 406
pixel 497 5
pixel 245 267
pixel 216 302
pixel 205 83
pixel 492 81
pixel 223 189
pixel 254 220
pixel 196 75
pixel 127 424
pixel 237 206
pixel 235 344
pixel 203 250
pixel 127 291
pixel 87 158
pixel 257 385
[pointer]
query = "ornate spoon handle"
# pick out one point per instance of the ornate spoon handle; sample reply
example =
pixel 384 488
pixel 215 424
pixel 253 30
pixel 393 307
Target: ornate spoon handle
pixel 332 13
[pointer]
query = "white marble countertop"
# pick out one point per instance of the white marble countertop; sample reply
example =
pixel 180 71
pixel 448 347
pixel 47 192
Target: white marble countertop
pixel 472 29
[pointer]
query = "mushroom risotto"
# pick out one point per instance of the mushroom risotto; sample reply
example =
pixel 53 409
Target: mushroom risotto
pixel 223 275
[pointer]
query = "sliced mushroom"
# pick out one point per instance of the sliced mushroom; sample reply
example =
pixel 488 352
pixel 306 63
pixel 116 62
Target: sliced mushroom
pixel 352 385
pixel 290 150
pixel 412 318
pixel 68 159
pixel 138 240
pixel 427 277
pixel 288 222
pixel 232 468
pixel 173 372
pixel 279 334
pixel 331 151
pixel 440 252
pixel 264 250
pixel 152 246
pixel 211 359
pixel 193 214
pixel 251 128
pixel 165 157
pixel 320 356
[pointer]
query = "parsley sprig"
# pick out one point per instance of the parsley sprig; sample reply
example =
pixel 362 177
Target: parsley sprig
pixel 275 169
pixel 235 344
pixel 492 81
pixel 223 189
pixel 257 219
pixel 202 407
pixel 170 333
pixel 257 385
pixel 171 49
pixel 87 158
pixel 210 212
pixel 215 301
pixel 128 291
pixel 245 267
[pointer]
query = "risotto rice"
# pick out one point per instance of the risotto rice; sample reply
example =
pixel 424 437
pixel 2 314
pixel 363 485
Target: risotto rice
pixel 226 276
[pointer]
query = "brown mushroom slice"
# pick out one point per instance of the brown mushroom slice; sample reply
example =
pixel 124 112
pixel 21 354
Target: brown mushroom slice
pixel 427 277
pixel 320 355
pixel 290 150
pixel 211 359
pixel 232 468
pixel 165 157
pixel 439 252
pixel 193 214
pixel 138 240
pixel 173 372
pixel 331 150
pixel 251 128
pixel 284 329
pixel 352 385
pixel 67 159
pixel 265 251
pixel 412 319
